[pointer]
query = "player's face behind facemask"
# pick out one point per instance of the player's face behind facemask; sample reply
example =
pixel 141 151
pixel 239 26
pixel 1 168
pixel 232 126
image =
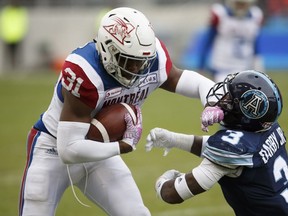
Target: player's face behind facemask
pixel 130 69
pixel 239 8
pixel 250 99
pixel 127 45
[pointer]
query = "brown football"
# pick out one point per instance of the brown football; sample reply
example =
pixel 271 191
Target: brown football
pixel 109 124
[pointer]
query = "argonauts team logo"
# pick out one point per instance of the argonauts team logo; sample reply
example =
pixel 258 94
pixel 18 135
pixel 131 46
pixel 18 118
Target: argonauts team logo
pixel 254 104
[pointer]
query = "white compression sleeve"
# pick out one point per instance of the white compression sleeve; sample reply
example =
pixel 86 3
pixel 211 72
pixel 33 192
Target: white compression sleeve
pixel 185 142
pixel 74 148
pixel 208 173
pixel 194 85
pixel 182 188
pixel 182 141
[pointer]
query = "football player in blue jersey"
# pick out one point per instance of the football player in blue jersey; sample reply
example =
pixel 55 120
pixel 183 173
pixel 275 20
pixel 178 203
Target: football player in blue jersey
pixel 232 39
pixel 125 63
pixel 247 157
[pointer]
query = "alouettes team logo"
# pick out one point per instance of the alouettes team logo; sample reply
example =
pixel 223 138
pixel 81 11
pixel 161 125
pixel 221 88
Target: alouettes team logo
pixel 120 29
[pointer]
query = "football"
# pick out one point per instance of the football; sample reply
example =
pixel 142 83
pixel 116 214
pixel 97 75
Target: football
pixel 108 125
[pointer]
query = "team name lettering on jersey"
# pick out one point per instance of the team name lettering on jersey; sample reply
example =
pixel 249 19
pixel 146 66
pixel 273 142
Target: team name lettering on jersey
pixel 272 144
pixel 132 98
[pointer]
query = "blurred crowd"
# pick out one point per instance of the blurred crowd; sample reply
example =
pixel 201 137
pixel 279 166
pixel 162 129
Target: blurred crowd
pixel 21 47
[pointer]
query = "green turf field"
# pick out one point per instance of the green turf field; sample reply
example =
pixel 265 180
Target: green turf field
pixel 25 97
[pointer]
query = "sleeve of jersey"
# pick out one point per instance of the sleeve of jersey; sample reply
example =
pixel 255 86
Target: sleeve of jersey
pixel 226 154
pixel 165 62
pixel 76 81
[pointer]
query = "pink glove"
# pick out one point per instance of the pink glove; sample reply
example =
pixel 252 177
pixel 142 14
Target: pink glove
pixel 210 116
pixel 133 131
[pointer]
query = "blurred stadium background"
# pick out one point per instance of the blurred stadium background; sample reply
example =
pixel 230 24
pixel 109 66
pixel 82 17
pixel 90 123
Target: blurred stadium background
pixel 55 29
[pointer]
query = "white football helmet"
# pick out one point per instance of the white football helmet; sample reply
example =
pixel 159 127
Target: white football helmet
pixel 126 44
pixel 240 8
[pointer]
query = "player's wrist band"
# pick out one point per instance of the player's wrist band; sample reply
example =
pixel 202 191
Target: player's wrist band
pixel 159 185
pixel 182 188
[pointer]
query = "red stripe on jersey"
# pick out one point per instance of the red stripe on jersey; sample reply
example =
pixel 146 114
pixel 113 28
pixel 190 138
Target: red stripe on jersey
pixel 214 19
pixel 168 61
pixel 75 80
pixel 32 138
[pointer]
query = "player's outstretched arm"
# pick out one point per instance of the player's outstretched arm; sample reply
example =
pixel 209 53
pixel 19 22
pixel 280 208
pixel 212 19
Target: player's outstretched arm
pixel 174 187
pixel 194 85
pixel 188 83
pixel 162 138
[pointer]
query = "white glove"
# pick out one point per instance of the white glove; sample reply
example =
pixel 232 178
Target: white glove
pixel 161 138
pixel 133 131
pixel 210 116
pixel 166 176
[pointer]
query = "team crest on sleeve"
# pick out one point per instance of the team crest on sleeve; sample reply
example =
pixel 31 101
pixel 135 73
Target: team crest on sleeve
pixel 120 29
pixel 254 104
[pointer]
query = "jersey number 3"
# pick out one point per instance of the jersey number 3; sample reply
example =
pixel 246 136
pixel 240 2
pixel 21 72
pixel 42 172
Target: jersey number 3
pixel 280 170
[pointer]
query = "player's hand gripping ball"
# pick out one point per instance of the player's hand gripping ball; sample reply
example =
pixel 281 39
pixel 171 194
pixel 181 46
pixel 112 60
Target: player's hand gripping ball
pixel 109 123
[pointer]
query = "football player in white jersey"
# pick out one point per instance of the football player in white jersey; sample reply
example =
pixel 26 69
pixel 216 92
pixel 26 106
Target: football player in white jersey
pixel 125 63
pixel 247 157
pixel 232 39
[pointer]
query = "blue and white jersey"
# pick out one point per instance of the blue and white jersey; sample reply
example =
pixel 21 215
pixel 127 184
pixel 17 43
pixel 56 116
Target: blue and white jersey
pixel 231 42
pixel 85 77
pixel 262 187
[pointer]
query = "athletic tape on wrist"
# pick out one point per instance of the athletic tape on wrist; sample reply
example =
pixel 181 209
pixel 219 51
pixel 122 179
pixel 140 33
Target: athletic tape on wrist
pixel 182 188
pixel 159 185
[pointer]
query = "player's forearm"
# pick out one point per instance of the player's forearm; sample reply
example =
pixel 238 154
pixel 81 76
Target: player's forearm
pixel 74 148
pixel 194 85
pixel 191 143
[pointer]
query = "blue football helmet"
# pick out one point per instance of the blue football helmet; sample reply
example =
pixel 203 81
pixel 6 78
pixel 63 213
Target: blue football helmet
pixel 250 100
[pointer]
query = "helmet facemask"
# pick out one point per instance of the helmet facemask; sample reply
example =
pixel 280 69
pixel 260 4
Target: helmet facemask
pixel 250 100
pixel 220 91
pixel 128 70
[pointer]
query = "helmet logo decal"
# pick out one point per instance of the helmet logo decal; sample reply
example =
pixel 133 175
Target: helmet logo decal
pixel 120 29
pixel 254 104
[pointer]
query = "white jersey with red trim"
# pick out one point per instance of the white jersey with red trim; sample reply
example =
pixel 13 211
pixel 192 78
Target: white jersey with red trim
pixel 84 76
pixel 234 46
